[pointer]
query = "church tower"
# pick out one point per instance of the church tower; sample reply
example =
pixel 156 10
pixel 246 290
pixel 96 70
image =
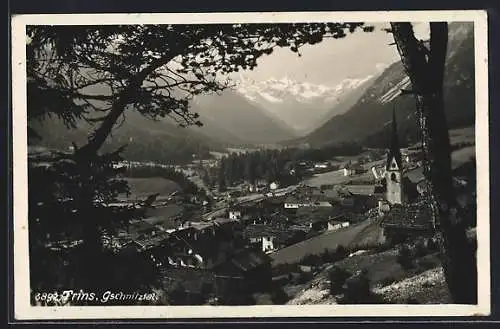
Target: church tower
pixel 394 169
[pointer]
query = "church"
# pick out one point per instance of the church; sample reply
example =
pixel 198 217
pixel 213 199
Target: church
pixel 398 187
pixel 405 212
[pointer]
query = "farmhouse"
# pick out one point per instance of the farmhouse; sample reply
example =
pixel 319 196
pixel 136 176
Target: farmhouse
pixel 322 165
pixel 235 214
pixel 353 169
pixel 334 225
pixel 268 238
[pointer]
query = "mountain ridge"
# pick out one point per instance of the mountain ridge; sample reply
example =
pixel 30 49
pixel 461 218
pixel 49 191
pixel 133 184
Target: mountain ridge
pixel 366 121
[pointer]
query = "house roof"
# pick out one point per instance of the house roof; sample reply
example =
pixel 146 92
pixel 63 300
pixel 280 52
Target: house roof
pixel 151 240
pixel 415 175
pixel 414 215
pixel 219 221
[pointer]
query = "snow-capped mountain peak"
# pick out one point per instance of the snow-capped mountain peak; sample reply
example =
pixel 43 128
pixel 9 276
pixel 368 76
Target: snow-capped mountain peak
pixel 280 90
pixel 299 103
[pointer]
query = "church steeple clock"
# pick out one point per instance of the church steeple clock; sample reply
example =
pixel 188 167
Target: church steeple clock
pixel 394 168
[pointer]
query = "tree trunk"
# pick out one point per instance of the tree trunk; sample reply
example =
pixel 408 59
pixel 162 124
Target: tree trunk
pixel 425 68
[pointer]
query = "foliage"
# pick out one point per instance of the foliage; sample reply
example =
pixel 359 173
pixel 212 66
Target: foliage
pixel 337 276
pixel 70 221
pixel 177 294
pixel 278 165
pixel 278 295
pixel 304 277
pixel 405 257
pixel 357 289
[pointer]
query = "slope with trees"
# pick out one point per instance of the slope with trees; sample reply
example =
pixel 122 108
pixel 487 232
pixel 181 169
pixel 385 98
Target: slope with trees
pixel 368 120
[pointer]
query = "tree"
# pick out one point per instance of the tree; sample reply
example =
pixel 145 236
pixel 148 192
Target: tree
pixel 206 177
pixel 425 67
pixel 222 175
pixel 337 276
pixel 249 166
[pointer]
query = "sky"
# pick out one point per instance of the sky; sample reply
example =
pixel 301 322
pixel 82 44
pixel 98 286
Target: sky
pixel 356 56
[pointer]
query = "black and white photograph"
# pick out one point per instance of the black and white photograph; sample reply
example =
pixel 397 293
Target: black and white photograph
pixel 250 165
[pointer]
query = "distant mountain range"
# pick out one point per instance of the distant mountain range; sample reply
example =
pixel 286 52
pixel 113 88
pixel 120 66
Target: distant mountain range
pixel 232 118
pixel 303 106
pixel 367 121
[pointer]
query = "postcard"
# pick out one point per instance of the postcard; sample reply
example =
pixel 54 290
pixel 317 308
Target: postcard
pixel 250 165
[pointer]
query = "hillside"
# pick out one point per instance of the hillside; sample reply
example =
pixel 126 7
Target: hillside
pixel 369 118
pixel 343 103
pixel 161 141
pixel 231 117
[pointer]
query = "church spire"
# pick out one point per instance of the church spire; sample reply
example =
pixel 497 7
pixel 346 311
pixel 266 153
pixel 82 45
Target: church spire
pixel 394 137
pixel 394 150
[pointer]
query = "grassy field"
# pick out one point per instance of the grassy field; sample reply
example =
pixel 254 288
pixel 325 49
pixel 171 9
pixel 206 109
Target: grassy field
pixel 318 244
pixel 337 177
pixel 141 188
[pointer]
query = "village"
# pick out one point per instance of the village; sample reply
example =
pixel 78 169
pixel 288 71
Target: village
pixel 267 243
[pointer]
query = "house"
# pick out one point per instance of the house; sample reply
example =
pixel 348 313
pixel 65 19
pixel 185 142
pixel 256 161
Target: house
pixel 383 207
pixel 322 165
pixel 316 219
pixel 337 224
pixel 377 172
pixel 337 194
pixel 235 214
pixel 348 172
pixel 268 243
pixel 199 244
pixel 294 202
pixel 353 169
pixel 269 238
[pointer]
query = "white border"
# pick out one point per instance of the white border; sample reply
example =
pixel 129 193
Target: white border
pixel 24 311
